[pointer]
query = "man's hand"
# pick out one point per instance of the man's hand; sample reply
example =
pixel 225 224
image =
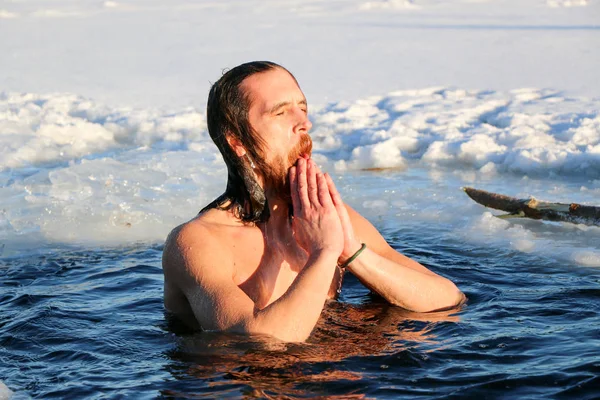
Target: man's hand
pixel 351 243
pixel 397 278
pixel 316 224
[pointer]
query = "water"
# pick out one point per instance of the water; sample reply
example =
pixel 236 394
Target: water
pixel 88 322
pixel 89 190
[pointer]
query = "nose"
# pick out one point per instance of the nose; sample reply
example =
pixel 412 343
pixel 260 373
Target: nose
pixel 303 124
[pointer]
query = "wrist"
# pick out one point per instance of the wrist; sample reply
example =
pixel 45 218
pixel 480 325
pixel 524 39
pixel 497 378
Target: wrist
pixel 343 265
pixel 327 253
pixel 352 249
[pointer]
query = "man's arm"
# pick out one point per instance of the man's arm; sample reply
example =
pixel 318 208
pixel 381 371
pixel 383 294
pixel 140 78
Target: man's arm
pixel 194 263
pixel 219 305
pixel 397 278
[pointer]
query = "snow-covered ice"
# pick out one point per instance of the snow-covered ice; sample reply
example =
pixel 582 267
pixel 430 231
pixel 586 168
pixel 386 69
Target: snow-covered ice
pixel 103 136
pixel 155 53
pixel 526 131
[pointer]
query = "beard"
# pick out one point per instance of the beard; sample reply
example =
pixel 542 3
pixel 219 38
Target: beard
pixel 277 178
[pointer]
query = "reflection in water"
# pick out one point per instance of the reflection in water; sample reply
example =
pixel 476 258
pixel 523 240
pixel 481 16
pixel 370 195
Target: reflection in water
pixel 260 366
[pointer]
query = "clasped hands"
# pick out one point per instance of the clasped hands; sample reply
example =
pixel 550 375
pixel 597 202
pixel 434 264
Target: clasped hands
pixel 321 221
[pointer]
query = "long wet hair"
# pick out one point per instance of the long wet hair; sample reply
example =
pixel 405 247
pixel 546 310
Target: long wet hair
pixel 227 114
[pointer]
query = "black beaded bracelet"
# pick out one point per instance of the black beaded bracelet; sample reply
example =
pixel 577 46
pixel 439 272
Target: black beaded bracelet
pixel 348 261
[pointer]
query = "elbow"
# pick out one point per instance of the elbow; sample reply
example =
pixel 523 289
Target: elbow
pixel 458 297
pixel 284 332
pixel 452 298
pixel 441 300
pixel 290 337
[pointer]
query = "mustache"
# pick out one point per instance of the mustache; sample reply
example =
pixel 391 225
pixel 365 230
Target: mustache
pixel 304 146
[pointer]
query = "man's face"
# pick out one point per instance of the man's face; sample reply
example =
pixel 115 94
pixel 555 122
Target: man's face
pixel 279 115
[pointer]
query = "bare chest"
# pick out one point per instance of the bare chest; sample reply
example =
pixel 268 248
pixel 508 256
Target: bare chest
pixel 265 271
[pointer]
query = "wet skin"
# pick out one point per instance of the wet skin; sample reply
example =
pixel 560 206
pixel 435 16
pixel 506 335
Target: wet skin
pixel 274 277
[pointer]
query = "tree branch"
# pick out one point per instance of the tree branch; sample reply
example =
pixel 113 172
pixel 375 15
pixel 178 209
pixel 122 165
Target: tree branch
pixel 535 209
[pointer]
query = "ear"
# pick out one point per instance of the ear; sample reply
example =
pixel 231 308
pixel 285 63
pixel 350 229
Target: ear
pixel 236 145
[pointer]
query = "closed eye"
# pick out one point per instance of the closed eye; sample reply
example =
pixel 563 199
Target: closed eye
pixel 303 106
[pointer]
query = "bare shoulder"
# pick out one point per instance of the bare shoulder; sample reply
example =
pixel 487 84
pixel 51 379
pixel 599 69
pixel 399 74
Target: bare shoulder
pixel 192 245
pixel 198 269
pixel 189 260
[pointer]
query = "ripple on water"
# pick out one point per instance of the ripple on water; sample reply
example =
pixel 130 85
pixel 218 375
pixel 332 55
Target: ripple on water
pixel 79 324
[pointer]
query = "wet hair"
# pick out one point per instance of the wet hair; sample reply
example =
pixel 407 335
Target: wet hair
pixel 227 114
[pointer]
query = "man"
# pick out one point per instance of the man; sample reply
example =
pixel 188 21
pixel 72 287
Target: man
pixel 266 255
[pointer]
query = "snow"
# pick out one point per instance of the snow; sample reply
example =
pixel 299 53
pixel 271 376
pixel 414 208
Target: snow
pixel 103 135
pixel 5 392
pixel 150 53
pixel 567 3
pixel 525 132
pixel 389 4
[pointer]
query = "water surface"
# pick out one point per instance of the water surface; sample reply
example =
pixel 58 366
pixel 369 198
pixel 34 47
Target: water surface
pixel 89 322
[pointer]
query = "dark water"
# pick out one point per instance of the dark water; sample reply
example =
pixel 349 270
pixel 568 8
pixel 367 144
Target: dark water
pixel 90 324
